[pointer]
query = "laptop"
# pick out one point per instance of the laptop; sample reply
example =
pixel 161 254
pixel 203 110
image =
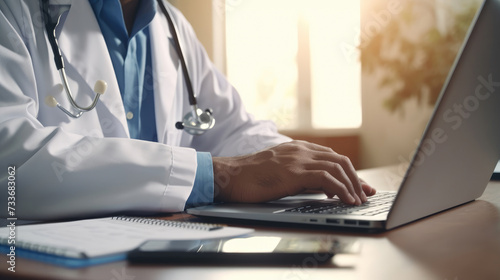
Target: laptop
pixel 452 165
pixel 496 173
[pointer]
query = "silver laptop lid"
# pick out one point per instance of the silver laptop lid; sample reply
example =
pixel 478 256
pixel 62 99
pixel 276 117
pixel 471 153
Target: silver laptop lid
pixel 461 144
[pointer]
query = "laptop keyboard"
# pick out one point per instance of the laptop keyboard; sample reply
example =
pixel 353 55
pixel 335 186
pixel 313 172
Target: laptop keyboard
pixel 376 204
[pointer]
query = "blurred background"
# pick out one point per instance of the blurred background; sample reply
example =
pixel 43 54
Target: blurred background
pixel 359 76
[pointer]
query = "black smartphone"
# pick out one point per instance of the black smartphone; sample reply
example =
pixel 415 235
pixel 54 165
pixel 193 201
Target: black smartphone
pixel 243 250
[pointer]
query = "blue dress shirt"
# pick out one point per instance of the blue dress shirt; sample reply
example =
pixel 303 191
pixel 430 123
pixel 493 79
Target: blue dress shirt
pixel 131 58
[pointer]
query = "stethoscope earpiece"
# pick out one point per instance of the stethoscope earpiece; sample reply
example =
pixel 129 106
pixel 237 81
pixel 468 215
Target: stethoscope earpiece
pixel 100 88
pixel 51 101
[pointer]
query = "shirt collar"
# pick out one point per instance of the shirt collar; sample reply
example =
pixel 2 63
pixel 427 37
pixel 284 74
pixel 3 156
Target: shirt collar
pixel 110 10
pixel 145 14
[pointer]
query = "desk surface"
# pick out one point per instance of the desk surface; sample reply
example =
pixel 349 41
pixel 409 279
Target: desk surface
pixel 461 243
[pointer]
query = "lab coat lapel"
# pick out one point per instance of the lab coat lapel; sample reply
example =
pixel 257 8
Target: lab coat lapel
pixel 86 56
pixel 166 66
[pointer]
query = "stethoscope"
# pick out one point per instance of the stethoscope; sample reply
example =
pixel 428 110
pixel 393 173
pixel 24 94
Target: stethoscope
pixel 195 122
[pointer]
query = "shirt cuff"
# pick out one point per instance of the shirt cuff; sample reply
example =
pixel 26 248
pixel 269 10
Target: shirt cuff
pixel 203 189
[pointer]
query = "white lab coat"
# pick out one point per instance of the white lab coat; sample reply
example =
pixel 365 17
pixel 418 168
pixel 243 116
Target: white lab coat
pixel 89 166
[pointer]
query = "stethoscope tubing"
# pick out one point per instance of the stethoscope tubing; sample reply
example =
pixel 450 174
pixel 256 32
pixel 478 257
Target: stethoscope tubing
pixel 59 61
pixel 185 72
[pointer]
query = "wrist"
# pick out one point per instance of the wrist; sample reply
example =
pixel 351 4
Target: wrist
pixel 221 179
pixel 225 171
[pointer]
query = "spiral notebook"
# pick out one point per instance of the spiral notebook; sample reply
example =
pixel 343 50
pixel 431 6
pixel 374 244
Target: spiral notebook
pixel 94 241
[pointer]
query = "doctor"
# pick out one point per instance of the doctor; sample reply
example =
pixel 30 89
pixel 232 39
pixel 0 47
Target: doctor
pixel 126 154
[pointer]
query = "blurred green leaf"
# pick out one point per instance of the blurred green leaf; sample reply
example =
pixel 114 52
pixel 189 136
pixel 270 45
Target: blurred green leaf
pixel 415 68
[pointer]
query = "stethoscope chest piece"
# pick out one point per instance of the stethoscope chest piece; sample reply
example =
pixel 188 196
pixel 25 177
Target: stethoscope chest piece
pixel 197 121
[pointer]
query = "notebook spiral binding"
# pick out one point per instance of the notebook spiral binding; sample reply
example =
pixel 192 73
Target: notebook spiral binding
pixel 167 223
pixel 47 249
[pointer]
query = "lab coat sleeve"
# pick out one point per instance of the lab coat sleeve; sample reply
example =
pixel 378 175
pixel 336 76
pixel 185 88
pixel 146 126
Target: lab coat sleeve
pixel 60 174
pixel 236 132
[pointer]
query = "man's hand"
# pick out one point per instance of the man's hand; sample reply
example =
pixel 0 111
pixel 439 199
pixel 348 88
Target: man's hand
pixel 288 169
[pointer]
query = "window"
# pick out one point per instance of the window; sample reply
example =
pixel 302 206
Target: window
pixel 296 61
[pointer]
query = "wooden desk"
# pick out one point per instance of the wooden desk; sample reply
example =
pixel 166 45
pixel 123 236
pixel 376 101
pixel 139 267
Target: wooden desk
pixel 462 243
